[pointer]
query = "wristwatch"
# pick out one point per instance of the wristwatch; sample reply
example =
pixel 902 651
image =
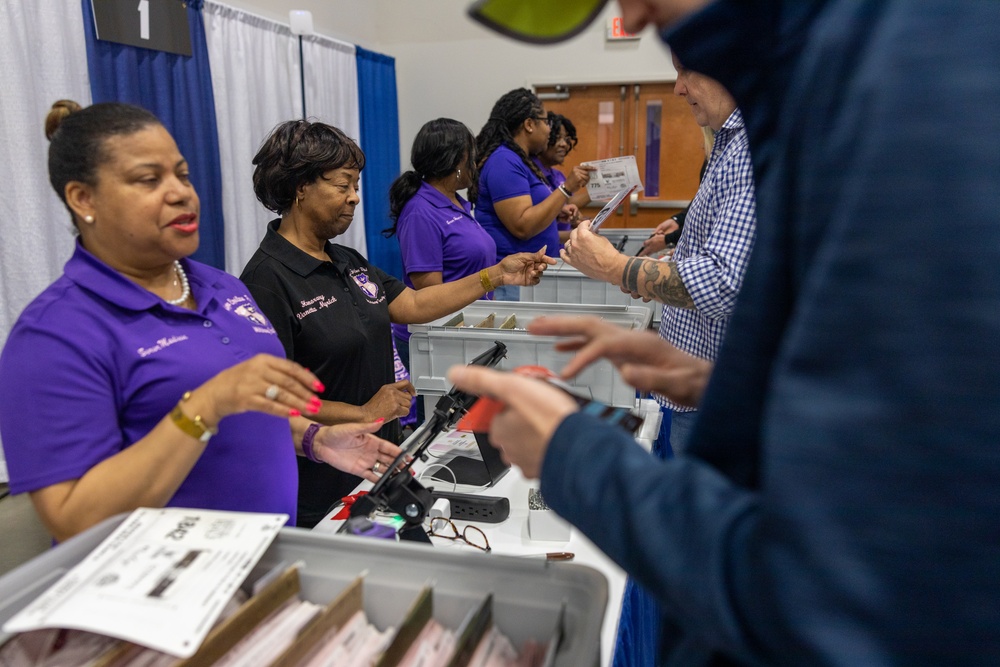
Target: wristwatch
pixel 196 428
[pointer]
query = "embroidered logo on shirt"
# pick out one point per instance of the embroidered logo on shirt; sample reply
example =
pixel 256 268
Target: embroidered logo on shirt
pixel 455 219
pixel 370 289
pixel 244 307
pixel 314 305
pixel 159 345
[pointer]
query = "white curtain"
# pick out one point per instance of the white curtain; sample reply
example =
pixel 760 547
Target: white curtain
pixel 332 97
pixel 43 59
pixel 255 80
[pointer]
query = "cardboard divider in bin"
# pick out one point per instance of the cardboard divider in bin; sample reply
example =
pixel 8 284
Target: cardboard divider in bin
pixel 488 322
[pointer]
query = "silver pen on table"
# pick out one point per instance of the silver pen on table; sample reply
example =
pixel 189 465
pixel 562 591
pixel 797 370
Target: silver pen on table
pixel 551 555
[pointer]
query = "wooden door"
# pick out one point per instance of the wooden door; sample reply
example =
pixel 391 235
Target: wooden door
pixel 645 120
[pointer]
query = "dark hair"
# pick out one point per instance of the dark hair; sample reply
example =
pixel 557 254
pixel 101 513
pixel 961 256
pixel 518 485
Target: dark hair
pixel 298 152
pixel 440 147
pixel 78 136
pixel 557 121
pixel 509 112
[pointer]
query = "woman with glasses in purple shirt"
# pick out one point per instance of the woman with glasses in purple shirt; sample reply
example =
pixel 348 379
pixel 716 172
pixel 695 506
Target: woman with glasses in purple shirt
pixel 514 202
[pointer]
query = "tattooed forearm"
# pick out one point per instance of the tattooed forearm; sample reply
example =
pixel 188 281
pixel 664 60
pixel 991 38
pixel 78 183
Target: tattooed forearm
pixel 656 280
pixel 630 276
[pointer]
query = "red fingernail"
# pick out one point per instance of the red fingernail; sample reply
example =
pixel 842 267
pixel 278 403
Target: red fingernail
pixel 294 413
pixel 380 420
pixel 319 386
pixel 315 401
pixel 313 408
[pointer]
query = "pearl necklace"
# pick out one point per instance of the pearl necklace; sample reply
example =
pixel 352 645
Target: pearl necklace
pixel 185 286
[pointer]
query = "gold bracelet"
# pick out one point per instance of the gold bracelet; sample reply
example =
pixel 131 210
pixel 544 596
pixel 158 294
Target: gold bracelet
pixel 484 279
pixel 196 428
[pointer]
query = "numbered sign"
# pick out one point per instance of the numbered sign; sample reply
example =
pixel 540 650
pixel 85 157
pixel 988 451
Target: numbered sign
pixel 161 25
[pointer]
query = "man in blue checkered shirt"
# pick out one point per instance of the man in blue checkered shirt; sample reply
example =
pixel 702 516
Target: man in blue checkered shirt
pixel 699 284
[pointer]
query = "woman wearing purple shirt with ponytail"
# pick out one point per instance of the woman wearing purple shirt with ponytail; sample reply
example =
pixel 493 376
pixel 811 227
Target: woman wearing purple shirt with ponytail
pixel 439 239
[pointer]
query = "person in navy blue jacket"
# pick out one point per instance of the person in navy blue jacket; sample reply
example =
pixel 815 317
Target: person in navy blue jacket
pixel 839 502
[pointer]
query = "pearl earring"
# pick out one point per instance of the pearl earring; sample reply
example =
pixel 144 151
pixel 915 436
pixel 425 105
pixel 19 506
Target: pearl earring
pixel 458 173
pixel 89 219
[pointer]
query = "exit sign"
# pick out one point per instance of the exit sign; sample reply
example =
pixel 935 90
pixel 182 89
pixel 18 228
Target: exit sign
pixel 616 30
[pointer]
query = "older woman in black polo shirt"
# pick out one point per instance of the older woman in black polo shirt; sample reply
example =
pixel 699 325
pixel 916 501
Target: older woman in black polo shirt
pixel 330 307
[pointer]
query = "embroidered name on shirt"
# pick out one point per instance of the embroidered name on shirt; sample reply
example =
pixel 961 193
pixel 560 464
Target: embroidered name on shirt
pixel 315 304
pixel 160 344
pixel 455 219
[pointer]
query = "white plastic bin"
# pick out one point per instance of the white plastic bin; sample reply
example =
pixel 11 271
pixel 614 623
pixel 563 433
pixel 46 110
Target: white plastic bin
pixel 633 243
pixel 528 594
pixel 437 346
pixel 565 284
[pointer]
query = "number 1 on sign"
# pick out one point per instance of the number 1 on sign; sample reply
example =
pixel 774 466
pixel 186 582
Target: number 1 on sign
pixel 144 19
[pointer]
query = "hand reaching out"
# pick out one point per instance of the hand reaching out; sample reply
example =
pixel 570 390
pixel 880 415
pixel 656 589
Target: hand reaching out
pixel 578 177
pixel 570 213
pixel 353 449
pixel 534 409
pixel 525 268
pixel 391 401
pixel 645 360
pixel 657 242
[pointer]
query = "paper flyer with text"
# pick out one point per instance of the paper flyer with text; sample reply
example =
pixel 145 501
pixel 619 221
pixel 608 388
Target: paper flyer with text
pixel 161 579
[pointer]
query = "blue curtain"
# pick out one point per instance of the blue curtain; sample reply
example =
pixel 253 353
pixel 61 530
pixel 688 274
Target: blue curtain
pixel 380 142
pixel 178 89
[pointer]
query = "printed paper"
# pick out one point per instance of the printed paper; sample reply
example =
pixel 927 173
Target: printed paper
pixel 612 176
pixel 160 580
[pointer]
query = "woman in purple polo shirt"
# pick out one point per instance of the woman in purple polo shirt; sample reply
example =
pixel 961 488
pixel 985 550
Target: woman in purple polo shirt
pixel 439 239
pixel 116 377
pixel 513 202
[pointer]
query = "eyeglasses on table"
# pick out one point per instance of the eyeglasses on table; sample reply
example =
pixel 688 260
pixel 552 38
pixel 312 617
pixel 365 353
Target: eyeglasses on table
pixel 471 535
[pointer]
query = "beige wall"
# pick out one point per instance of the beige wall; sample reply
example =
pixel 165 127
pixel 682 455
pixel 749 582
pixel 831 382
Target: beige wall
pixel 446 65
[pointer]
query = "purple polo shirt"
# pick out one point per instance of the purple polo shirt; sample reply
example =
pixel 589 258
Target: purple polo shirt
pixel 436 235
pixel 555 178
pixel 505 176
pixel 95 362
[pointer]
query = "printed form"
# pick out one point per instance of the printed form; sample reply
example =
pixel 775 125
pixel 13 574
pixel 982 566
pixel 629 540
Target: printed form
pixel 161 579
pixel 611 176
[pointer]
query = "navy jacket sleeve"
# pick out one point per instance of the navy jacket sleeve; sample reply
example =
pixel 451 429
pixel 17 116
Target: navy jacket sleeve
pixel 677 526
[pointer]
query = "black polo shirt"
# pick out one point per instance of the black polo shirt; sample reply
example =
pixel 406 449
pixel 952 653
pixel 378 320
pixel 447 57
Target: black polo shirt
pixel 333 318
